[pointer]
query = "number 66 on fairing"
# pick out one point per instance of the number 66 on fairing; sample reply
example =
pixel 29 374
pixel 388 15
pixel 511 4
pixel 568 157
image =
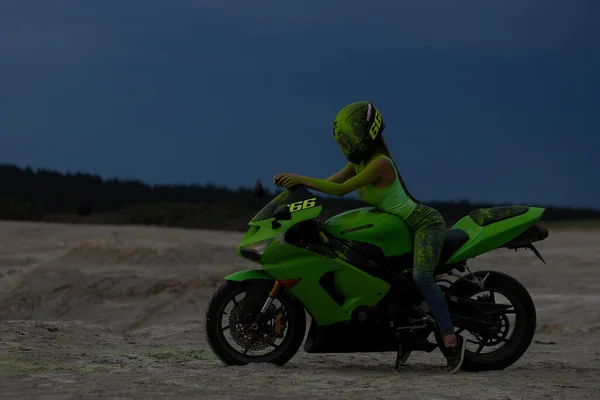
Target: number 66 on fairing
pixel 302 205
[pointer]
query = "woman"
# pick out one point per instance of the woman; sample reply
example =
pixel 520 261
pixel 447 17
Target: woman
pixel 357 129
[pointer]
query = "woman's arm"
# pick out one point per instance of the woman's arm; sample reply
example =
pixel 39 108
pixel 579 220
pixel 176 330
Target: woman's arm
pixel 342 175
pixel 369 175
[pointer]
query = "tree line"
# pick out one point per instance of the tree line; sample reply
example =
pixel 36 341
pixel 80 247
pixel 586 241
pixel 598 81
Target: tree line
pixel 46 195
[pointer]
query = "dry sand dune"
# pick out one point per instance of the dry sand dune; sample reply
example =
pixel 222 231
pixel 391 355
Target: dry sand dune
pixel 117 312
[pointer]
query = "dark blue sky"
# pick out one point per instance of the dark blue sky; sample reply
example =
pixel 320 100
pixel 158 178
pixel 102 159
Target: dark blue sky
pixel 493 101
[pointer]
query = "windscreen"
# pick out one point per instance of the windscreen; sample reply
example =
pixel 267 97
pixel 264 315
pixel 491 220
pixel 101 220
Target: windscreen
pixel 297 193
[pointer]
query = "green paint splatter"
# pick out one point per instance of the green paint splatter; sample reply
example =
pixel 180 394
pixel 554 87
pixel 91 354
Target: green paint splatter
pixel 486 216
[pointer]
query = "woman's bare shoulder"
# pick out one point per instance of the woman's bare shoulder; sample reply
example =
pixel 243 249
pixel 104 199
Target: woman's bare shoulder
pixel 383 163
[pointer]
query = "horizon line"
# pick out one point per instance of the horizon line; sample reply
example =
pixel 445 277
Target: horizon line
pixel 207 184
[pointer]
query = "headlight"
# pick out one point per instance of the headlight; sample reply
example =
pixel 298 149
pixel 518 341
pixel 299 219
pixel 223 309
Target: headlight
pixel 255 251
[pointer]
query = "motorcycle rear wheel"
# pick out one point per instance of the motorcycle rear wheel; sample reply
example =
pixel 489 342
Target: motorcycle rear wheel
pixel 524 327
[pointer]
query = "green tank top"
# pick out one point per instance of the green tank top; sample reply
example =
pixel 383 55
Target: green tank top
pixel 393 199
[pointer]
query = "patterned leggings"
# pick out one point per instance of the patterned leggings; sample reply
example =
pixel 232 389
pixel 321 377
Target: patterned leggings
pixel 429 228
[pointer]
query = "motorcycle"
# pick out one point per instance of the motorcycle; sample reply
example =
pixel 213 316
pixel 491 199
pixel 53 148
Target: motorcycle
pixel 352 276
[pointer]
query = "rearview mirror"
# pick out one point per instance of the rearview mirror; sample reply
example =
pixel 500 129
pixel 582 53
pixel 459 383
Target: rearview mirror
pixel 258 190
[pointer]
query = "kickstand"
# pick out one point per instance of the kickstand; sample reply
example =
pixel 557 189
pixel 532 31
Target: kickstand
pixel 401 356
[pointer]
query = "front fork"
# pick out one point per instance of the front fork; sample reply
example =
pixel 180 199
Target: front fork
pixel 272 296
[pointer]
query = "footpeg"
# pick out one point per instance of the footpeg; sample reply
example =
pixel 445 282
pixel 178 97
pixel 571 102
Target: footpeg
pixel 413 327
pixel 417 320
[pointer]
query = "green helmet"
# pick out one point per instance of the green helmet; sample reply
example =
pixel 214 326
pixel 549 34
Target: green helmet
pixel 356 129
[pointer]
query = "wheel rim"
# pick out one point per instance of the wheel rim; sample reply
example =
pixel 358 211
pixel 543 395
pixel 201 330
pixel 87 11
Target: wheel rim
pixel 244 341
pixel 496 345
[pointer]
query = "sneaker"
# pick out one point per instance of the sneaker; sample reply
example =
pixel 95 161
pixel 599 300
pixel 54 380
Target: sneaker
pixel 455 355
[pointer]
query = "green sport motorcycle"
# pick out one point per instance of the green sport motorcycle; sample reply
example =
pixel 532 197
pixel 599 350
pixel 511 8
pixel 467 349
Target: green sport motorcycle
pixel 352 275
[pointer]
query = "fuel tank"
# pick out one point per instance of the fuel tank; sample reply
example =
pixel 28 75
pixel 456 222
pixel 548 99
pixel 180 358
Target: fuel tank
pixel 369 225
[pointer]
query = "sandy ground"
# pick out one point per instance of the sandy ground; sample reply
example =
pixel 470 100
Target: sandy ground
pixel 117 312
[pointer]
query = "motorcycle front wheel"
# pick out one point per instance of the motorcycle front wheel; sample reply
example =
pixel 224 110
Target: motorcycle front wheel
pixel 276 339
